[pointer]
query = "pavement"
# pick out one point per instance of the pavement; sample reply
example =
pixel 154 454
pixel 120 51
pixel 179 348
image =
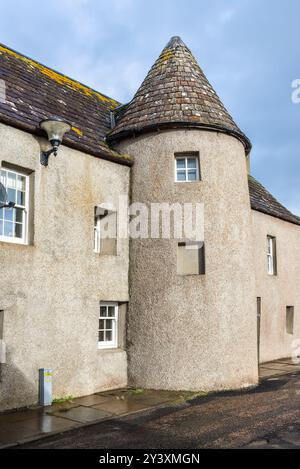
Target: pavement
pixel 265 417
pixel 34 423
pixel 277 368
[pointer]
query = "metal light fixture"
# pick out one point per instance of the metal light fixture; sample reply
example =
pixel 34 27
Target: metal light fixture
pixel 55 128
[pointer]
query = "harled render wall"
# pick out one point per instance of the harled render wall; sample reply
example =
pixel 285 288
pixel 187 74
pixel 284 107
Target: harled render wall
pixel 279 291
pixel 193 332
pixel 50 290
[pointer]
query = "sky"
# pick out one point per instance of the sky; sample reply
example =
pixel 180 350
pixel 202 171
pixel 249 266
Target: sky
pixel 248 49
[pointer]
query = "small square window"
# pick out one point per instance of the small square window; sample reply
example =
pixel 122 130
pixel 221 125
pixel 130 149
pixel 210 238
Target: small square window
pixel 187 168
pixel 190 258
pixel 290 319
pixel 108 326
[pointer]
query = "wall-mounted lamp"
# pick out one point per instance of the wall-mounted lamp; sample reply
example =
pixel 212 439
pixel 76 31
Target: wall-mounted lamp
pixel 55 128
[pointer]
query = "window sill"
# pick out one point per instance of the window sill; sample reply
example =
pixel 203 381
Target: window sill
pixel 111 350
pixel 14 243
pixel 188 182
pixel 100 254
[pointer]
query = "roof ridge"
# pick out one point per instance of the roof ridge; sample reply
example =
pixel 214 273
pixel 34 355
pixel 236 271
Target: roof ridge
pixel 68 81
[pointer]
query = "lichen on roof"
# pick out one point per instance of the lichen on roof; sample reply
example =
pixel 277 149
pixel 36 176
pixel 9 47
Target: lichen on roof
pixel 35 92
pixel 175 91
pixel 58 77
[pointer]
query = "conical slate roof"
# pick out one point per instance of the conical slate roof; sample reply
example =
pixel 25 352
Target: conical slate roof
pixel 175 93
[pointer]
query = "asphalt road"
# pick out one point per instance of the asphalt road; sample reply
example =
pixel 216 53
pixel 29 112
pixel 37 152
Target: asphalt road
pixel 266 417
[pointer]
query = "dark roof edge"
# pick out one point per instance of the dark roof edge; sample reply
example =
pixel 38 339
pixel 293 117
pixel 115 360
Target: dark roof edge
pixel 110 155
pixel 277 216
pixel 114 138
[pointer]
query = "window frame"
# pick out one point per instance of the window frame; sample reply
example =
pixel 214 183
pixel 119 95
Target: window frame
pixel 187 157
pixel 25 208
pixel 97 234
pixel 98 218
pixel 111 344
pixel 271 255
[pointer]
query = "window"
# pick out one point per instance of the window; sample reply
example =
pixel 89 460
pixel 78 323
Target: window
pixel 186 168
pixel 190 258
pixel 13 221
pixel 271 255
pixel 290 319
pixel 108 325
pixel 105 231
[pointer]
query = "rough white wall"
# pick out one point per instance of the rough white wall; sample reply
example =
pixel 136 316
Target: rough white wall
pixel 278 291
pixel 193 332
pixel 50 291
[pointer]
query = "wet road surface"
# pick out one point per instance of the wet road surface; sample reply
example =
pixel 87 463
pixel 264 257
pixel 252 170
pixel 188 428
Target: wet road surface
pixel 265 417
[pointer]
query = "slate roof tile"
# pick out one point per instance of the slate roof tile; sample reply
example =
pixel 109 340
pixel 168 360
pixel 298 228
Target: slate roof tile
pixel 35 92
pixel 263 201
pixel 175 79
pixel 174 90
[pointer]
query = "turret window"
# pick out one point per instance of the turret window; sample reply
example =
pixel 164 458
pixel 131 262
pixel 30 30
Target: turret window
pixel 186 168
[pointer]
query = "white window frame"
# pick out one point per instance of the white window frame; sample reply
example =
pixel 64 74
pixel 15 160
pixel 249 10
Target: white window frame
pixel 25 211
pixel 97 235
pixel 270 254
pixel 186 169
pixel 98 245
pixel 115 322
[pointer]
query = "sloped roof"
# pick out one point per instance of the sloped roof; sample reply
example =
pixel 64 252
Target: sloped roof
pixel 175 93
pixel 262 201
pixel 175 88
pixel 35 92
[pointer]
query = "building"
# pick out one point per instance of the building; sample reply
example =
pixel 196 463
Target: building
pixel 150 312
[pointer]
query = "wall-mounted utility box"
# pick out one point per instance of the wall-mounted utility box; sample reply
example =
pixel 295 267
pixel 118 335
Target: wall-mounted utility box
pixel 45 386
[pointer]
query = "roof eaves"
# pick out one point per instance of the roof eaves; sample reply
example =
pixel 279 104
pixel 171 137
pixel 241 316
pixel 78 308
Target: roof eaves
pixel 138 130
pixel 109 154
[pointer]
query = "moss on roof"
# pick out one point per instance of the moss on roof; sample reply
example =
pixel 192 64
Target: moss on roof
pixel 35 92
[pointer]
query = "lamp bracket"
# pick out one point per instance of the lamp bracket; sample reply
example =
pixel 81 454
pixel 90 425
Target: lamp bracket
pixel 45 155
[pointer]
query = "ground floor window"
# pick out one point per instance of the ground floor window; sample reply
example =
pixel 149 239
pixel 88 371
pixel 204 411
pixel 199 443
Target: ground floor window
pixel 108 325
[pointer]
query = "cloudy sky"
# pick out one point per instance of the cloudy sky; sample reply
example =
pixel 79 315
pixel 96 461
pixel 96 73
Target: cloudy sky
pixel 249 50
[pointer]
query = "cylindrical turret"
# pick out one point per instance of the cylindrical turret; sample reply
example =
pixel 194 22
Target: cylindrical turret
pixel 189 330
